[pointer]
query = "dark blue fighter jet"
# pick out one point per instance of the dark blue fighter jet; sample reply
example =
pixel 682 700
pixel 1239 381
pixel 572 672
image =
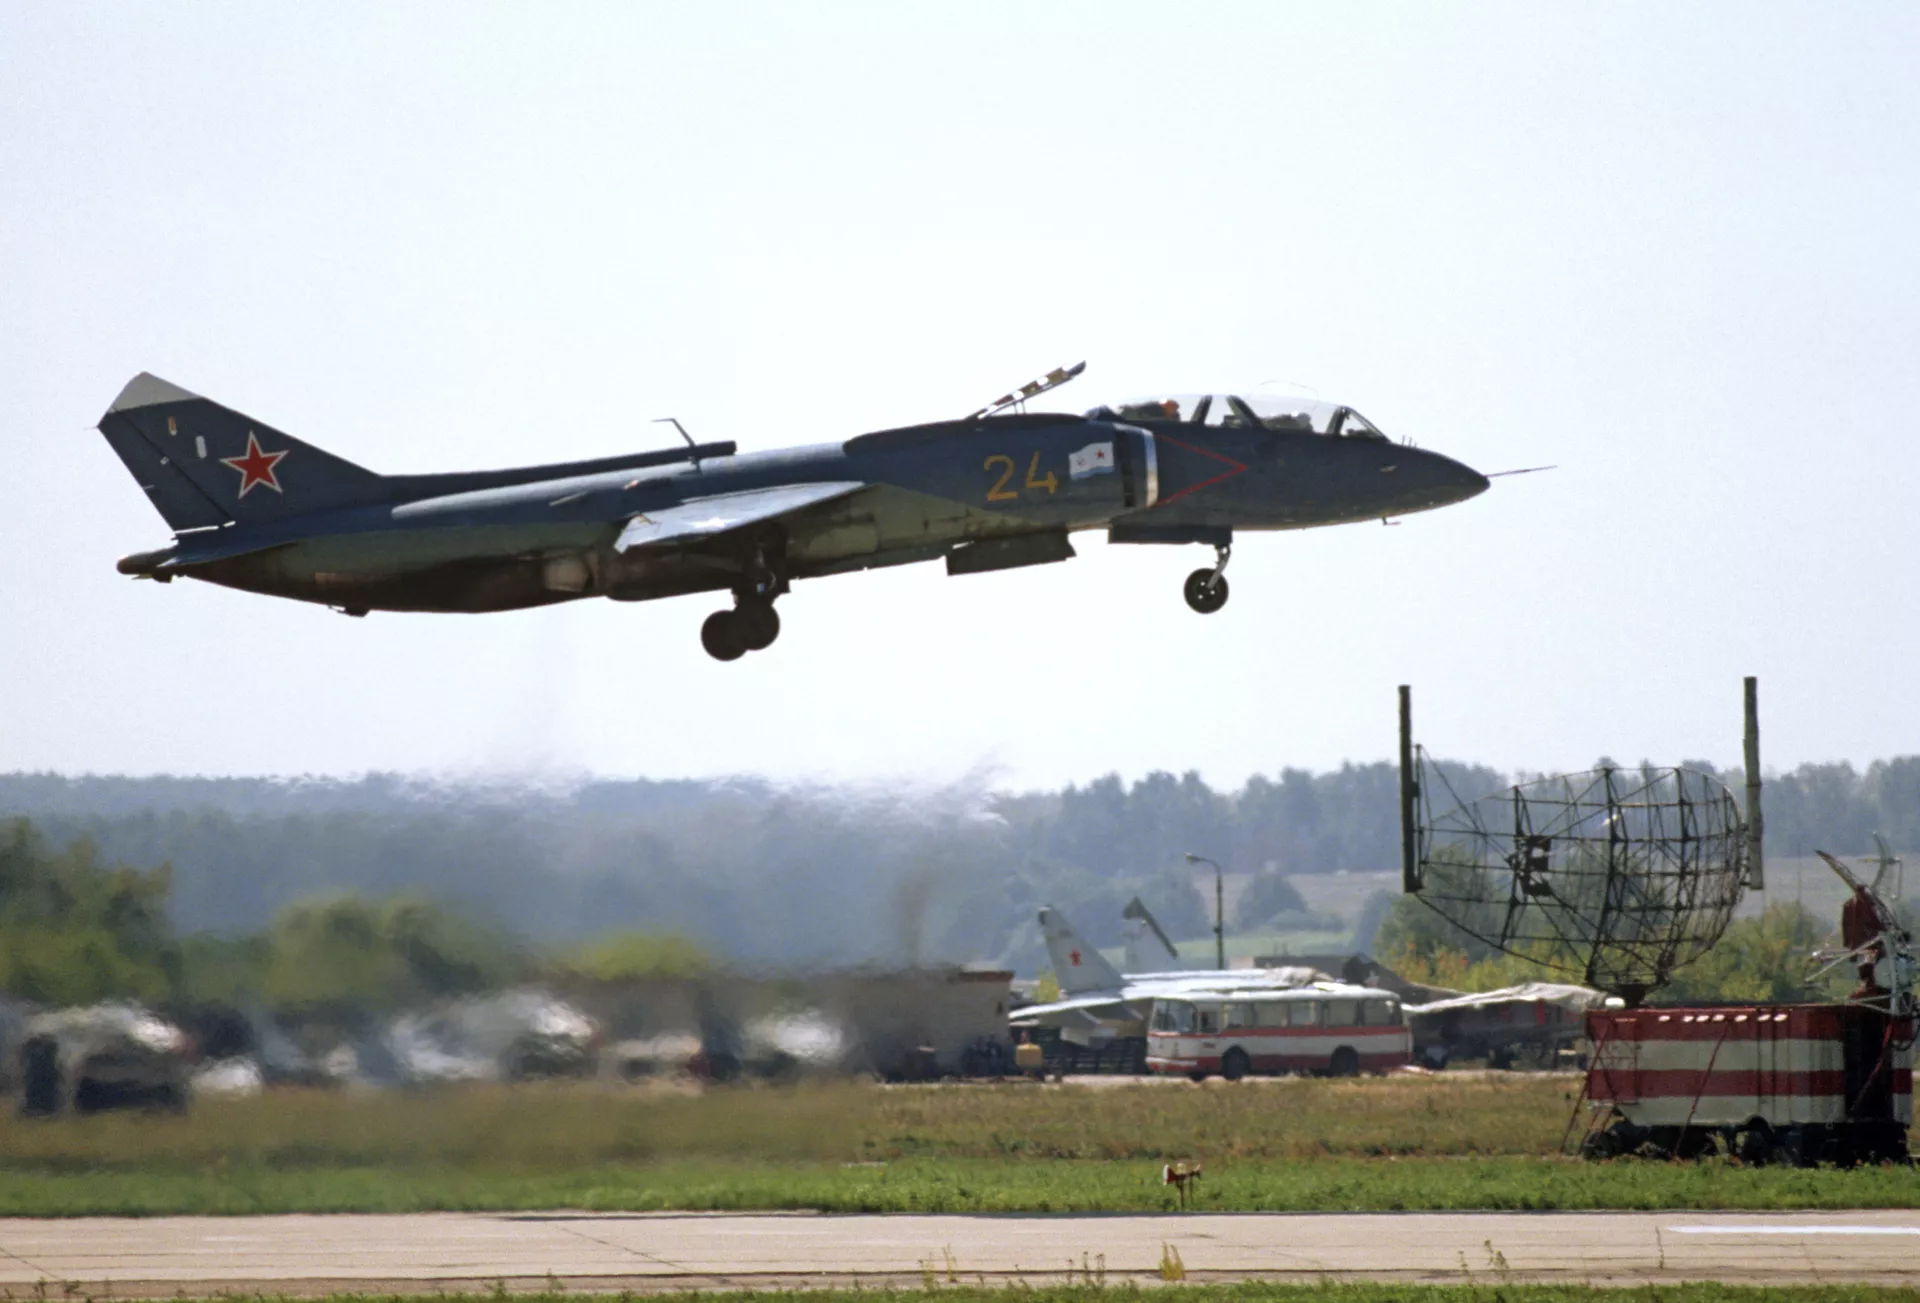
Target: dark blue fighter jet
pixel 255 509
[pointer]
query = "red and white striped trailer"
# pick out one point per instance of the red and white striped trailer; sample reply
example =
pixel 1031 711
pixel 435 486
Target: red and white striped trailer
pixel 1800 1083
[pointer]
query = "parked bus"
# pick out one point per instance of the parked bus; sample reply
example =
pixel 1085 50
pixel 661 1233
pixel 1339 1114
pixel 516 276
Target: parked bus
pixel 1323 1027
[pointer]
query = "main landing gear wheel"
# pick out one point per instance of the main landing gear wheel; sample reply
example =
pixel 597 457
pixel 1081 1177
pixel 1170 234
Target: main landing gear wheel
pixel 750 626
pixel 757 623
pixel 723 637
pixel 1206 591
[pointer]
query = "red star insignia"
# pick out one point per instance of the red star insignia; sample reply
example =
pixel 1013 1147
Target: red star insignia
pixel 1073 957
pixel 256 467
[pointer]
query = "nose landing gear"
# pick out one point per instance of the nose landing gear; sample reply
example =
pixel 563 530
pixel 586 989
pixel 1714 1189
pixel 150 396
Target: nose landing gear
pixel 1206 590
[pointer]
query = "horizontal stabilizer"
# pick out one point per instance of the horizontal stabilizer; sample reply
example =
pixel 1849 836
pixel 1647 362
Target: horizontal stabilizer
pixel 704 517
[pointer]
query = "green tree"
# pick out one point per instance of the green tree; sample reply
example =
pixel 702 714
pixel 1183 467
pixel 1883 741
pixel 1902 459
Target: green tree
pixel 628 956
pixel 1768 958
pixel 1415 927
pixel 1269 893
pixel 342 957
pixel 74 930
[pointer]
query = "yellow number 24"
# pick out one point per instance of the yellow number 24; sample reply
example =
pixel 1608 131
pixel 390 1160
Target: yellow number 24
pixel 1000 492
pixel 1050 483
pixel 1035 480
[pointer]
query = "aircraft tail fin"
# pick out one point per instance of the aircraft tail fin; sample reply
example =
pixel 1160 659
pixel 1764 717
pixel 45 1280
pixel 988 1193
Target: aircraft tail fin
pixel 1077 966
pixel 203 464
pixel 1159 955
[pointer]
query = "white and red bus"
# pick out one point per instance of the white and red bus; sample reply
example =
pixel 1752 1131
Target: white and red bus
pixel 1324 1027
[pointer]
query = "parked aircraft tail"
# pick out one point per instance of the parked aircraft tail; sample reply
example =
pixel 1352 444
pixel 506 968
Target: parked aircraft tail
pixel 204 464
pixel 1077 966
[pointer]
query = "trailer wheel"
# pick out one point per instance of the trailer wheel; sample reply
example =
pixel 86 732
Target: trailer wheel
pixel 1693 1143
pixel 1598 1147
pixel 1754 1144
pixel 1620 1139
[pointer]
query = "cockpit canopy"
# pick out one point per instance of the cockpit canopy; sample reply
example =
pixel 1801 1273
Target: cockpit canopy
pixel 1231 411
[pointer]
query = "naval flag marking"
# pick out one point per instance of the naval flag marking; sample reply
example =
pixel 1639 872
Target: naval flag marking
pixel 1094 459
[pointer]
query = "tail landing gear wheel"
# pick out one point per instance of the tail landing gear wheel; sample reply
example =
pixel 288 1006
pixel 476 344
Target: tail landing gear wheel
pixel 1206 591
pixel 721 635
pixel 758 625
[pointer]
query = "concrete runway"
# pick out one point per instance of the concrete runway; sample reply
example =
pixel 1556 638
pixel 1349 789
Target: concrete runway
pixel 679 1251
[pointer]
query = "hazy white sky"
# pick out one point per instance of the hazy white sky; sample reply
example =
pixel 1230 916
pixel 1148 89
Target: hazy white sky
pixel 1670 248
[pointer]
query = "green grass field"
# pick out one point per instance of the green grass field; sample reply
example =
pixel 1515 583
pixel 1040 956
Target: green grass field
pixel 1295 1145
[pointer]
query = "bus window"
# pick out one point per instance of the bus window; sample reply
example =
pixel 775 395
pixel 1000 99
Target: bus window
pixel 1381 1013
pixel 1162 1019
pixel 1270 1015
pixel 1241 1015
pixel 1303 1013
pixel 1343 1013
pixel 1208 1021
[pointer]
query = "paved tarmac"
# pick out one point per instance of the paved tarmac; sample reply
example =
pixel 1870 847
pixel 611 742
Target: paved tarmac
pixel 679 1251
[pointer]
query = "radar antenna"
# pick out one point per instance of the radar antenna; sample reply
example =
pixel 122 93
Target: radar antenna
pixel 1032 389
pixel 1872 937
pixel 1615 876
pixel 1887 882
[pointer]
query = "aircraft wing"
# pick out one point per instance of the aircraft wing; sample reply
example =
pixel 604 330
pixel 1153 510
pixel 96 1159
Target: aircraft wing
pixel 699 518
pixel 1078 1010
pixel 1220 982
pixel 1128 1000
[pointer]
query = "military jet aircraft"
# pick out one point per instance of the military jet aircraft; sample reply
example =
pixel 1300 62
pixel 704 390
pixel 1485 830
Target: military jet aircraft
pixel 1098 1001
pixel 255 509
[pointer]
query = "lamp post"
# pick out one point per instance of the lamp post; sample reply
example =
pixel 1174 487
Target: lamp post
pixel 1219 911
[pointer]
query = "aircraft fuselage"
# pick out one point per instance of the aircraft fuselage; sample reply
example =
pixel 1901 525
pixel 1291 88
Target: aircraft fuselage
pixel 984 493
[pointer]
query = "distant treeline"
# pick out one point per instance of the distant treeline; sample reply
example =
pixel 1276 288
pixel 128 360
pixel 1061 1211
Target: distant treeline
pixel 76 929
pixel 762 874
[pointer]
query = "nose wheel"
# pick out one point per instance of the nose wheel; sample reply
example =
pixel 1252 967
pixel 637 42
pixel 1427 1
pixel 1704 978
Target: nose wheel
pixel 1206 590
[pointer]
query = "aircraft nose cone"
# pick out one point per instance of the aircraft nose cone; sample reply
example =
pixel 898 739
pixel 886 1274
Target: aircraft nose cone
pixel 1470 482
pixel 1447 481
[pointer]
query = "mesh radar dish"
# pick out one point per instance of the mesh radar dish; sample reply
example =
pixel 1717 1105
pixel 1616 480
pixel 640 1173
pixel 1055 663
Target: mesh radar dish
pixel 1616 877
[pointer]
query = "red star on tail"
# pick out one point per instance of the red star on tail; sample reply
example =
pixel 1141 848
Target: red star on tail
pixel 256 467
